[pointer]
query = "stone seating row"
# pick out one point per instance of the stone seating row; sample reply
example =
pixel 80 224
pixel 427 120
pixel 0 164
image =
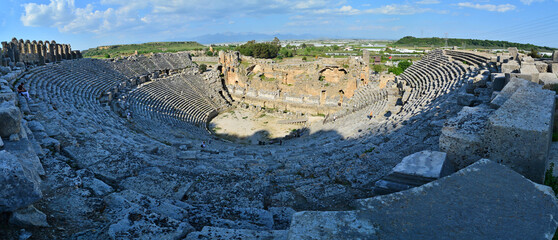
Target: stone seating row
pixel 366 97
pixel 179 97
pixel 77 81
pixel 135 66
pixel 429 78
pixel 469 57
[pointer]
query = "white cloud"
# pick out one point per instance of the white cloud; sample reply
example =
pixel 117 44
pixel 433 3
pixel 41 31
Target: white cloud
pixel 120 17
pixel 56 13
pixel 528 2
pixel 393 9
pixel 397 9
pixel 488 7
pixel 348 10
pixel 428 2
pixel 67 18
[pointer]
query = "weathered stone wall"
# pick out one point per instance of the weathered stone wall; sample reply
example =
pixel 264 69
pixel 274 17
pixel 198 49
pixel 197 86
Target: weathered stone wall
pixel 35 53
pixel 323 83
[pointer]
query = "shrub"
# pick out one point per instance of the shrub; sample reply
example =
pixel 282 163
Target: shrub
pixel 378 68
pixel 203 68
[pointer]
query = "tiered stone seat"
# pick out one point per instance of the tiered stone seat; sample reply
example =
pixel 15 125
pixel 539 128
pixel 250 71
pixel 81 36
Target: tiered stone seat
pixel 430 78
pixel 78 83
pixel 475 59
pixel 369 97
pixel 177 98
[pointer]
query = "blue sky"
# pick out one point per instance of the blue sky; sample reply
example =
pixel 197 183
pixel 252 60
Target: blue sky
pixel 91 23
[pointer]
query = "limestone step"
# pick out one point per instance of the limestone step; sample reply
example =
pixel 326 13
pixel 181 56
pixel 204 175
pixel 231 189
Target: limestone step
pixel 225 233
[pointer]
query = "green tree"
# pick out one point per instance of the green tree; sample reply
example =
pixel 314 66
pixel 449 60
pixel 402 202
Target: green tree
pixel 276 42
pixel 203 68
pixel 209 53
pixel 534 53
pixel 378 68
pixel 404 65
pixel 259 50
pixel 304 58
pixel 395 70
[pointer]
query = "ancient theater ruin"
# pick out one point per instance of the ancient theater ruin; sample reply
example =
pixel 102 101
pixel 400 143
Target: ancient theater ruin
pixel 455 147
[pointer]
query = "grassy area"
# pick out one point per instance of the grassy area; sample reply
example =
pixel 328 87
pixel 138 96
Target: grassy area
pixel 264 78
pixel 152 47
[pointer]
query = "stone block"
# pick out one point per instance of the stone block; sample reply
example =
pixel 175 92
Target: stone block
pixel 461 136
pixel 510 67
pixel 548 80
pixel 333 225
pixel 466 99
pixel 542 67
pixel 513 52
pixel 555 56
pixel 498 81
pixel 528 69
pixel 533 77
pixel 483 201
pixel 508 90
pixel 10 119
pixel 29 217
pixel 519 133
pixel 19 185
pixel 415 170
pixel 553 68
pixel 427 164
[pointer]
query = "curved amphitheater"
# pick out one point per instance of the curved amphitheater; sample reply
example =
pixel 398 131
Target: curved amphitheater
pixel 146 176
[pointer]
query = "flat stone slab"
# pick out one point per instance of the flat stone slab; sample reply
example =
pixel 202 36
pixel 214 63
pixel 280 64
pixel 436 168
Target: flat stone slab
pixel 483 201
pixel 428 164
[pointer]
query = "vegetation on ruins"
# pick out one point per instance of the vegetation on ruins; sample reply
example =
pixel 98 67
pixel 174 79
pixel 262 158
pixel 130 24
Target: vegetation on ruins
pixel 151 47
pixel 440 42
pixel 379 68
pixel 534 53
pixel 202 68
pixel 260 50
pixel 401 66
pixel 550 180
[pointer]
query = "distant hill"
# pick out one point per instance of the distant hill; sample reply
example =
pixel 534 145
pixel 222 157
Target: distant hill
pixel 129 49
pixel 247 36
pixel 469 43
